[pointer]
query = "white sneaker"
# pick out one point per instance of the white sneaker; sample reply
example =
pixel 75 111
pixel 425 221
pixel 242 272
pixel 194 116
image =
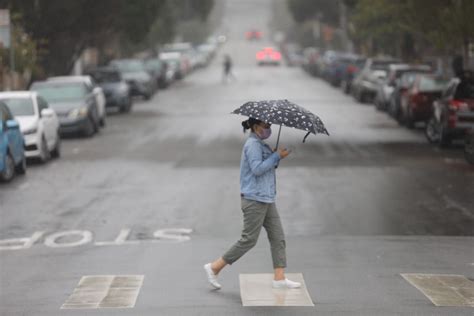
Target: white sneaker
pixel 288 284
pixel 211 277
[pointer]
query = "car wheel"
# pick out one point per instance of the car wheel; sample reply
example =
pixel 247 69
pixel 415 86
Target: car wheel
pixel 8 171
pixel 444 139
pixel 89 129
pixel 127 106
pixel 469 149
pixel 409 119
pixel 432 131
pixel 45 155
pixel 56 153
pixel 21 167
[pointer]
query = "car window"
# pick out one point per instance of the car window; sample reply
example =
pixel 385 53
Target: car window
pixel 464 90
pixel 5 113
pixel 42 104
pixel 20 106
pixel 54 92
pixel 428 84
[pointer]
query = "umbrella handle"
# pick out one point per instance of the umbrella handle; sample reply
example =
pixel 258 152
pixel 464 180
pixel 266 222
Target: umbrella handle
pixel 278 139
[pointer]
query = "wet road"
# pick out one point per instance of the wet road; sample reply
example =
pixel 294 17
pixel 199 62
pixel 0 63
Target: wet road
pixel 369 189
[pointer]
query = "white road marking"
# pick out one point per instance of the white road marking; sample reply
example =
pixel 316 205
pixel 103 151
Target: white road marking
pixel 76 238
pixel 256 290
pixel 173 234
pixel 105 291
pixel 20 243
pixel 443 289
pixel 85 238
pixel 120 240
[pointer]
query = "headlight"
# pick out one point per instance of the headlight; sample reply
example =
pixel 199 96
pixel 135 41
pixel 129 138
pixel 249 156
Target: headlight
pixel 30 131
pixel 79 112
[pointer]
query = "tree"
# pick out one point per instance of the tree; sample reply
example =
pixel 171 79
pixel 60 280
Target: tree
pixel 67 27
pixel 326 11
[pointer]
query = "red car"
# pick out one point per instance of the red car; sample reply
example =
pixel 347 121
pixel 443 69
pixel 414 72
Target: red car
pixel 416 102
pixel 253 35
pixel 453 114
pixel 268 56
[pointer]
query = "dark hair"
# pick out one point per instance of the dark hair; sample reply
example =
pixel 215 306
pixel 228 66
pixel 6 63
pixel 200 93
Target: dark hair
pixel 250 123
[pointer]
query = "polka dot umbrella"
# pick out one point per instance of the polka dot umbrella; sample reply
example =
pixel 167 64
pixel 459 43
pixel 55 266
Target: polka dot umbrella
pixel 283 113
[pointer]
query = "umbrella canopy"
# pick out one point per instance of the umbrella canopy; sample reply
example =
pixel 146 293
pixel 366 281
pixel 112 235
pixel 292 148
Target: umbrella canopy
pixel 283 112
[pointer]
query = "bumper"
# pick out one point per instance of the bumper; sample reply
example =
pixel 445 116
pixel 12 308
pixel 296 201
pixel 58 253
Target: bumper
pixel 70 126
pixel 32 146
pixel 116 101
pixel 139 89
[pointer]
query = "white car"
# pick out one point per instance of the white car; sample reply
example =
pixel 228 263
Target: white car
pixel 38 123
pixel 96 90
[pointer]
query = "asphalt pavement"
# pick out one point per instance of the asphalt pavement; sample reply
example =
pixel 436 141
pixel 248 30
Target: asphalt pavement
pixel 156 194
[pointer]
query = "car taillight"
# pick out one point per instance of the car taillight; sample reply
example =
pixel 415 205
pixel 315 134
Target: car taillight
pixel 352 69
pixel 276 55
pixel 458 105
pixel 260 55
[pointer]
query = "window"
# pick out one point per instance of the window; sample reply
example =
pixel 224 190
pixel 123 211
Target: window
pixel 5 113
pixel 20 106
pixel 42 104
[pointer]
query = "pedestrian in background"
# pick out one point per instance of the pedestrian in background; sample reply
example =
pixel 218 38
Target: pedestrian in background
pixel 257 191
pixel 227 69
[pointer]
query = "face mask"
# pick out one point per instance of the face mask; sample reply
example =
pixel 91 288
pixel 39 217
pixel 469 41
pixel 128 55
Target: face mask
pixel 265 133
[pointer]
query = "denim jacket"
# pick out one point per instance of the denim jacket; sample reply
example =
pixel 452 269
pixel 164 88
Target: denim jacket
pixel 257 171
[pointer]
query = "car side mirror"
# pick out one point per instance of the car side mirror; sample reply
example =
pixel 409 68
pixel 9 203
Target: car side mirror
pixel 12 124
pixel 47 112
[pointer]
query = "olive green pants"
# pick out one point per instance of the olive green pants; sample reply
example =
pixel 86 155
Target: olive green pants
pixel 258 214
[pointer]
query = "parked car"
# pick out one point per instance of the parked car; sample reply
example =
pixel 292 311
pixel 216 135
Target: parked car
pixel 351 68
pixel 116 90
pixel 96 90
pixel 135 74
pixel 268 56
pixel 38 123
pixel 453 115
pixel 328 64
pixel 158 69
pixel 74 103
pixel 416 103
pixel 185 50
pixel 176 62
pixel 365 85
pixel 12 146
pixel 386 90
pixel 401 86
pixel 340 66
pixel 310 62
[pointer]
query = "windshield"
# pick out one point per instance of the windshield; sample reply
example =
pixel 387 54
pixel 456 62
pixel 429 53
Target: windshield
pixel 153 64
pixel 20 106
pixel 465 90
pixel 428 84
pixel 106 76
pixel 61 92
pixel 129 66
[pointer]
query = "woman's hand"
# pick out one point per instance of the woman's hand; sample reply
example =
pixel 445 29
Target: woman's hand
pixel 283 153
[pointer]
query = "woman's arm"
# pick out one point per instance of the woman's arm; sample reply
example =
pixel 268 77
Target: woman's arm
pixel 254 153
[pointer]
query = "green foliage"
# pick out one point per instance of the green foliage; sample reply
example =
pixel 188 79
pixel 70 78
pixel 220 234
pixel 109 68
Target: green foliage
pixel 446 24
pixel 325 10
pixel 64 28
